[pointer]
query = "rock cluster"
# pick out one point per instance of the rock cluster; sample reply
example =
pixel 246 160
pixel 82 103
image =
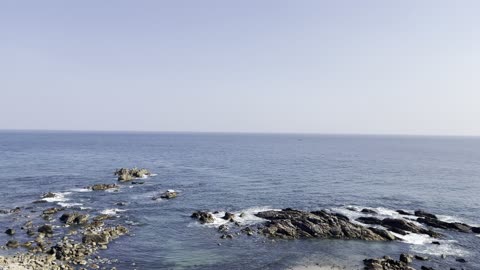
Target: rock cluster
pixel 125 174
pixel 169 194
pixel 203 217
pixel 399 226
pixel 290 223
pixel 386 263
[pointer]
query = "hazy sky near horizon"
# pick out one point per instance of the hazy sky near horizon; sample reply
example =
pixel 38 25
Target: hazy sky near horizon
pixel 396 67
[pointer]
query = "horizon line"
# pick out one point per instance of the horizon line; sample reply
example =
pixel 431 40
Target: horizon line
pixel 237 132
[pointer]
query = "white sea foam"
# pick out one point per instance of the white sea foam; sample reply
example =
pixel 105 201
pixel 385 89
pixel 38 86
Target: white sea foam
pixel 446 247
pixel 81 190
pixel 112 211
pixel 66 204
pixel 59 197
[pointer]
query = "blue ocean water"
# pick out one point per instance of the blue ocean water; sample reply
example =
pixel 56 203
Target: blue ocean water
pixel 244 173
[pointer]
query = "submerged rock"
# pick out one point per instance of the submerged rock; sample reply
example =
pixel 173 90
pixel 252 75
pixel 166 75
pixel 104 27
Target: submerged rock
pixel 46 229
pixel 405 213
pixel 125 174
pixel 103 186
pixel 10 231
pixel 289 223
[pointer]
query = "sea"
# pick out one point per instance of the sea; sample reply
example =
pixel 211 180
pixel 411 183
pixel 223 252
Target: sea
pixel 247 173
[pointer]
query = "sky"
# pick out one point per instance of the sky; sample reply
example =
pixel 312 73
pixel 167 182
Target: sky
pixel 298 66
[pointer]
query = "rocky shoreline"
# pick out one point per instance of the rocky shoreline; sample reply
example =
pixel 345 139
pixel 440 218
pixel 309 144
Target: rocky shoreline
pixel 59 238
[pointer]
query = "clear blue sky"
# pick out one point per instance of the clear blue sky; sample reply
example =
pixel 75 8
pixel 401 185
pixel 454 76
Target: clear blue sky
pixel 396 67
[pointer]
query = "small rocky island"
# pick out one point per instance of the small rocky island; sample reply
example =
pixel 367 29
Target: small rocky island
pixel 125 174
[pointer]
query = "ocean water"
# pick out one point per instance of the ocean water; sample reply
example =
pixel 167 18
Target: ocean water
pixel 248 173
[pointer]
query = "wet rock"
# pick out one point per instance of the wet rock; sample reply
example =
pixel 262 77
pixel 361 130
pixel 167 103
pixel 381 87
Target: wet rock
pixel 456 226
pixel 476 229
pixel 10 231
pixel 226 236
pixel 53 210
pixel 46 229
pixel 421 258
pixel 421 213
pixel 48 195
pixel 369 211
pixel 103 217
pixel 74 218
pixel 384 233
pixel 228 216
pixel 289 223
pixel 223 228
pixel 406 258
pixel 405 213
pixel 461 260
pixel 12 244
pixel 370 220
pixel 138 182
pixel 203 217
pixel 125 174
pixel 169 194
pixel 385 263
pixel 435 243
pixel 103 186
pixel 404 225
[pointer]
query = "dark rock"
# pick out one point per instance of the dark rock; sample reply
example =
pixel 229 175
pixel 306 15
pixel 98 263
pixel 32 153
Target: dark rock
pixel 405 213
pixel 403 225
pixel 203 217
pixel 103 186
pixel 228 216
pixel 461 260
pixel 10 231
pixel 421 258
pixel 421 213
pixel 138 182
pixel 476 229
pixel 290 223
pixel 74 218
pixel 456 226
pixel 368 211
pixel 435 243
pixel 46 229
pixel 427 268
pixel 369 220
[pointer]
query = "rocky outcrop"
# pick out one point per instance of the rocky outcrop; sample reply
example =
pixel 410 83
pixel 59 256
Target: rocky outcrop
pixel 456 226
pixel 369 211
pixel 203 217
pixel 125 174
pixel 103 187
pixel 290 224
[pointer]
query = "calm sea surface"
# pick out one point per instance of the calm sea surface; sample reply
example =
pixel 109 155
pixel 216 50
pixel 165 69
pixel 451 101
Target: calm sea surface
pixel 246 173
